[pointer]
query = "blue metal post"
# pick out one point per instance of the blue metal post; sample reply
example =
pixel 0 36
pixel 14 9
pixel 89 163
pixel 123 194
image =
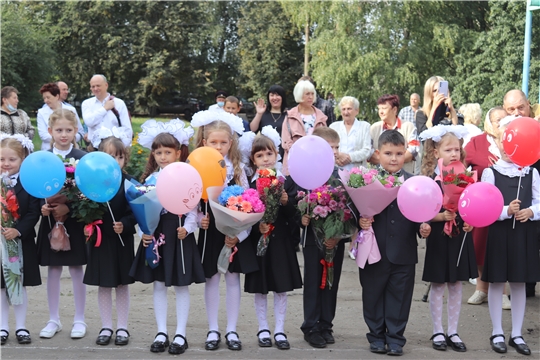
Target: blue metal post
pixel 527 53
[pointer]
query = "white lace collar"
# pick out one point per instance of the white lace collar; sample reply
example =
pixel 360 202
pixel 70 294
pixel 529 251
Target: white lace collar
pixel 510 169
pixel 62 153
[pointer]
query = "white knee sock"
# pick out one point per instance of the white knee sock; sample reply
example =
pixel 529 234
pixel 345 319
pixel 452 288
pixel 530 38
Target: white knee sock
pixel 160 309
pixel 232 281
pixel 436 295
pixel 211 298
pixel 53 295
pixel 105 308
pixel 122 308
pixel 260 310
pixel 518 293
pixel 4 304
pixel 495 309
pixel 280 311
pixel 453 305
pixel 79 295
pixel 182 311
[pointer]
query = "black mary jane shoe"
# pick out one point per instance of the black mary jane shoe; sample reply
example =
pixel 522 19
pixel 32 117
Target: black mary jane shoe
pixel 234 345
pixel 4 337
pixel 456 346
pixel 177 349
pixel 24 338
pixel 104 339
pixel 499 347
pixel 120 339
pixel 523 349
pixel 264 342
pixel 438 345
pixel 212 344
pixel 327 336
pixel 282 344
pixel 159 346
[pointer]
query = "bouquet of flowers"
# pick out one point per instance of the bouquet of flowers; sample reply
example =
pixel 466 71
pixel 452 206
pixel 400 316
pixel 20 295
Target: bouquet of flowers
pixel 270 189
pixel 12 256
pixel 235 210
pixel 371 190
pixel 330 218
pixel 147 209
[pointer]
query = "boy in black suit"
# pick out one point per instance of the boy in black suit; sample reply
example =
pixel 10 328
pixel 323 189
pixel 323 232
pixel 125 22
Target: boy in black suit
pixel 387 286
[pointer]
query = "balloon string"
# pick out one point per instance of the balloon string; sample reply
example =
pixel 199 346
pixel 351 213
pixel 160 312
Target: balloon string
pixel 48 217
pixel 182 246
pixel 112 215
pixel 517 197
pixel 460 250
pixel 205 231
pixel 307 213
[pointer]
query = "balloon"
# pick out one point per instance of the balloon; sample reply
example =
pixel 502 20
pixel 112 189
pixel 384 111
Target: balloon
pixel 98 176
pixel 520 141
pixel 210 165
pixel 311 162
pixel 42 174
pixel 179 188
pixel 419 198
pixel 480 204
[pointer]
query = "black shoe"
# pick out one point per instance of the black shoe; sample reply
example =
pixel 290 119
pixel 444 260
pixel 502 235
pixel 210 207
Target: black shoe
pixel 520 348
pixel 177 349
pixel 4 337
pixel 212 344
pixel 104 339
pixel 121 340
pixel 315 339
pixel 499 347
pixel 394 350
pixel 377 347
pixel 23 339
pixel 233 344
pixel 264 342
pixel 530 289
pixel 327 336
pixel 282 344
pixel 438 345
pixel 159 346
pixel 456 346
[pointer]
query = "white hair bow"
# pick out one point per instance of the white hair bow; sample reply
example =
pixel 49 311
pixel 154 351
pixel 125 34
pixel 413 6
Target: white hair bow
pixel 176 127
pixel 121 133
pixel 437 132
pixel 25 142
pixel 206 117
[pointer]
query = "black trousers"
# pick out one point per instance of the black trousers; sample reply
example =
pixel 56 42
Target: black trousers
pixel 319 304
pixel 387 291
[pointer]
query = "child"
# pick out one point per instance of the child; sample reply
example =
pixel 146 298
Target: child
pixel 442 250
pixel 168 143
pixel 109 264
pixel 388 284
pixel 320 304
pixel 13 151
pixel 233 106
pixel 63 129
pixel 512 250
pixel 220 131
pixel 278 268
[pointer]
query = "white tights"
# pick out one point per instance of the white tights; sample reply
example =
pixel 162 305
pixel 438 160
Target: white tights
pixel 160 310
pixel 211 297
pixel 122 308
pixel 453 308
pixel 517 291
pixel 280 310
pixel 19 310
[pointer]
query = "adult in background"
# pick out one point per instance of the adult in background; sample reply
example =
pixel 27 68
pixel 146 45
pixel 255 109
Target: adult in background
pixel 301 119
pixel 220 96
pixel 272 113
pixel 437 107
pixel 388 109
pixel 12 120
pixel 354 137
pixel 104 109
pixel 52 98
pixel 472 117
pixel 408 113
pixel 324 105
pixel 64 91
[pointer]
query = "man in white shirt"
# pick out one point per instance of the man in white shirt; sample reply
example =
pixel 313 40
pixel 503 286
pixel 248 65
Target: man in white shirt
pixel 104 109
pixel 220 101
pixel 408 113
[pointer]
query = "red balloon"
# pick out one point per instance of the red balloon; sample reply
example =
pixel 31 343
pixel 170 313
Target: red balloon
pixel 521 141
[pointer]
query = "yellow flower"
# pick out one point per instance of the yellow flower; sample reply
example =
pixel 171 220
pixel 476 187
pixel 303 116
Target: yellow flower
pixel 139 152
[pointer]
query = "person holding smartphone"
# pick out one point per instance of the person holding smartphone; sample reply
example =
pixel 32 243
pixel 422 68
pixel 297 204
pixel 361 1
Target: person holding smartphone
pixel 437 105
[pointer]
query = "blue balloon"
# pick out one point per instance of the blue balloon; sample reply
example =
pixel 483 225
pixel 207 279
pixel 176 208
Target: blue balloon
pixel 42 174
pixel 98 176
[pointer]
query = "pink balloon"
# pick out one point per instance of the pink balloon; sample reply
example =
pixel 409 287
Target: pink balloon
pixel 480 204
pixel 311 162
pixel 419 198
pixel 179 188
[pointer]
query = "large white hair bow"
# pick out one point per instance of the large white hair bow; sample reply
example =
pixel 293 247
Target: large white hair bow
pixel 121 133
pixel 176 127
pixel 206 117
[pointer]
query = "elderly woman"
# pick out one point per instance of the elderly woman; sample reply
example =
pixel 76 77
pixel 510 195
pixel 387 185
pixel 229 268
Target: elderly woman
pixel 12 120
pixel 51 98
pixel 301 120
pixel 354 138
pixel 472 116
pixel 436 106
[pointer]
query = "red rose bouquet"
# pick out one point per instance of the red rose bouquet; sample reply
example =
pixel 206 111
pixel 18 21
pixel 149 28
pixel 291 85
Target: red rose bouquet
pixel 270 189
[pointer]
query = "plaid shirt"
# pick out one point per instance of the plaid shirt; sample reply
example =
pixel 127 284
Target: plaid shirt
pixel 408 114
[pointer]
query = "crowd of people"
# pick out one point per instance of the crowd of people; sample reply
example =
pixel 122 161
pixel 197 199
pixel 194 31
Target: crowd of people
pixel 407 142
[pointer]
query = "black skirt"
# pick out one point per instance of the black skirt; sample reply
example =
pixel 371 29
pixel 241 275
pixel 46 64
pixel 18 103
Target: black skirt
pixel 77 256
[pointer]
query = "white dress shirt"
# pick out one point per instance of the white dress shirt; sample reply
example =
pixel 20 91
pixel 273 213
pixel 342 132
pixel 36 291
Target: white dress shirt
pixel 357 143
pixel 215 107
pixel 43 115
pixel 95 115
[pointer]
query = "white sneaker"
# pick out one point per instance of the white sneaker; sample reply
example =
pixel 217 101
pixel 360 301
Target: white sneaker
pixel 351 255
pixel 477 298
pixel 472 281
pixel 47 334
pixel 506 304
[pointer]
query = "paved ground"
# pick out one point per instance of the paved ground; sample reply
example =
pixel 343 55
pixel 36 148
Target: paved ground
pixel 350 329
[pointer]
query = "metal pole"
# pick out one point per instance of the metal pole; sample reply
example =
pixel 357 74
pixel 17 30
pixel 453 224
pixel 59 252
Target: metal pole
pixel 527 53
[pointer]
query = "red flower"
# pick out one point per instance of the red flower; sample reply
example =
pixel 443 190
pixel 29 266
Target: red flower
pixel 12 205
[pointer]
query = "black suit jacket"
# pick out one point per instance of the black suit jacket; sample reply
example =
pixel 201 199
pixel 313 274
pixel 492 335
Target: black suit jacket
pixel 29 210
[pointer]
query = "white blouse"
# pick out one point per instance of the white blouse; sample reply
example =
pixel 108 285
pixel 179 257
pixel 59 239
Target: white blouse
pixel 357 143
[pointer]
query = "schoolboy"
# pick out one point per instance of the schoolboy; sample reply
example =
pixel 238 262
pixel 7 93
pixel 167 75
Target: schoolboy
pixel 233 106
pixel 387 286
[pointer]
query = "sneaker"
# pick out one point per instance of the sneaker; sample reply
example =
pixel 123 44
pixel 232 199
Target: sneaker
pixel 351 255
pixel 472 281
pixel 477 298
pixel 506 305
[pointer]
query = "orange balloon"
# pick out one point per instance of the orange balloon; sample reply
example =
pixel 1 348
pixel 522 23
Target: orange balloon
pixel 210 165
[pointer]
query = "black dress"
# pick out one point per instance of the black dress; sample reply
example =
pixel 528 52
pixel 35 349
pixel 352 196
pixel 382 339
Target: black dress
pixel 29 210
pixel 275 121
pixel 512 253
pixel 78 254
pixel 278 268
pixel 109 264
pixel 170 269
pixel 442 253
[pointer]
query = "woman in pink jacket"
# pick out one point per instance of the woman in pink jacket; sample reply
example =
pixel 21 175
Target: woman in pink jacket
pixel 302 119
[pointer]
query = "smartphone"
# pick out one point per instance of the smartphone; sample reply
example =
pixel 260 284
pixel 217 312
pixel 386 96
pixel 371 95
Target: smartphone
pixel 443 88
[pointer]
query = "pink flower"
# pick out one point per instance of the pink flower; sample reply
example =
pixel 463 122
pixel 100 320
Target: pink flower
pixel 368 178
pixel 391 179
pixel 301 194
pixel 355 171
pixel 13 259
pixel 333 204
pixel 70 169
pixel 388 185
pixel 232 207
pixel 246 206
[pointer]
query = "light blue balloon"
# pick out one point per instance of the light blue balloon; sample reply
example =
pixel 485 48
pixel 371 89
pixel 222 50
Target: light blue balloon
pixel 98 176
pixel 42 174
